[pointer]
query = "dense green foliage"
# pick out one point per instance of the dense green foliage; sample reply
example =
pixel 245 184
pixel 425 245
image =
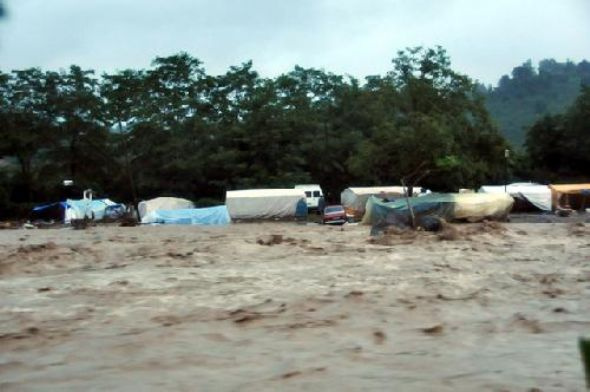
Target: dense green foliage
pixel 530 94
pixel 438 126
pixel 558 146
pixel 173 129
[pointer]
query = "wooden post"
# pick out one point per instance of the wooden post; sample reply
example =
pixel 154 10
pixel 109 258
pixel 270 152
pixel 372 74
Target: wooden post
pixel 412 216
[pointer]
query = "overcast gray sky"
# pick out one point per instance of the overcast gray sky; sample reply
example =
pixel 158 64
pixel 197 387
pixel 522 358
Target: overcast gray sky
pixel 485 38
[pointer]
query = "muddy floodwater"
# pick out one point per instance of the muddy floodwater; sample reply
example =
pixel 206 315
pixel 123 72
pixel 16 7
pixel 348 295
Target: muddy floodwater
pixel 286 307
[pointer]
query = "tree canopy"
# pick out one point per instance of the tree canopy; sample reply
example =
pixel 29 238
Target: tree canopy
pixel 558 146
pixel 436 129
pixel 174 129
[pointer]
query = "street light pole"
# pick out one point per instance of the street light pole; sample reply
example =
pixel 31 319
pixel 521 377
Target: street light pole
pixel 506 156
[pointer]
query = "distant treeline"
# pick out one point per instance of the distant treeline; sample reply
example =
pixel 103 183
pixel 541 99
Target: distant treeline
pixel 558 146
pixel 173 129
pixel 530 94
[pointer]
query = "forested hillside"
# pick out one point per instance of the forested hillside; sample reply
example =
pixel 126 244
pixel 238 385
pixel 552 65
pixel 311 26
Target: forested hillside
pixel 558 146
pixel 173 129
pixel 531 93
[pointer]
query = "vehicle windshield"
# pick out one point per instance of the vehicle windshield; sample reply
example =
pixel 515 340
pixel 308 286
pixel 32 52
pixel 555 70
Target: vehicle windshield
pixel 333 209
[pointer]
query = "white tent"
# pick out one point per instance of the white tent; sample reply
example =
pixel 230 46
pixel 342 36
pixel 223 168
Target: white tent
pixel 356 198
pixel 163 203
pixel 536 194
pixel 263 203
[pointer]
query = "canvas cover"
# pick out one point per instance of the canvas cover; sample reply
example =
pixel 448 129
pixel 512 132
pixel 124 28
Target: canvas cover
pixel 263 203
pixel 355 199
pixel 571 189
pixel 163 203
pixel 65 211
pixel 449 206
pixel 96 209
pixel 189 216
pixel 536 194
pixel 570 195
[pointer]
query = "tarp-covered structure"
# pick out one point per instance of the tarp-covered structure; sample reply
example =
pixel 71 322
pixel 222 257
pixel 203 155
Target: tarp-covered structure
pixel 163 203
pixel 55 212
pixel 525 194
pixel 95 209
pixel 65 211
pixel 354 199
pixel 574 196
pixel 192 216
pixel 263 203
pixel 472 207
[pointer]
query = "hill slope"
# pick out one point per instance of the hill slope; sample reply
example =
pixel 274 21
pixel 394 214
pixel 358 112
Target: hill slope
pixel 529 94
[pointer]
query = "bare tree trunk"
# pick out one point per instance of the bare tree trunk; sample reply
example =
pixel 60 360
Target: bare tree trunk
pixel 26 173
pixel 128 169
pixel 414 177
pixel 410 209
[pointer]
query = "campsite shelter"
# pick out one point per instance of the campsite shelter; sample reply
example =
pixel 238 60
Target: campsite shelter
pixel 355 199
pixel 193 216
pixel 95 209
pixel 527 195
pixel 574 196
pixel 65 211
pixel 263 203
pixel 163 203
pixel 470 207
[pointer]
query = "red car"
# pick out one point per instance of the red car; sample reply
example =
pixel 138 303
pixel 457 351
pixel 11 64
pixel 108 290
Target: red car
pixel 334 215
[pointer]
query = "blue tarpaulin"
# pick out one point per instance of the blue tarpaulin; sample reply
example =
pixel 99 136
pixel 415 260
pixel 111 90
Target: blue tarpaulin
pixel 65 211
pixel 192 216
pixel 95 209
pixel 60 204
pixel 49 212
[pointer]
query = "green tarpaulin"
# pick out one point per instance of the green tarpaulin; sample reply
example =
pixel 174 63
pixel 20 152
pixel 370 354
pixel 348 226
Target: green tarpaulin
pixel 449 206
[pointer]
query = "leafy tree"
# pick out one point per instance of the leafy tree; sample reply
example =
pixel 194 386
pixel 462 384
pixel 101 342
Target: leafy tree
pixel 437 125
pixel 578 135
pixel 27 125
pixel 173 96
pixel 546 147
pixel 81 150
pixel 172 89
pixel 123 99
pixel 173 129
pixel 558 146
pixel 319 124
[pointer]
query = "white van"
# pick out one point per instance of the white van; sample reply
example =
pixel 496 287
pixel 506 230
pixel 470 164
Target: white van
pixel 313 192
